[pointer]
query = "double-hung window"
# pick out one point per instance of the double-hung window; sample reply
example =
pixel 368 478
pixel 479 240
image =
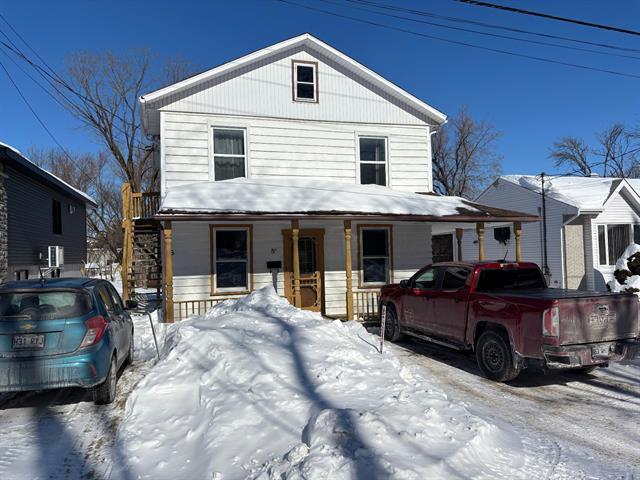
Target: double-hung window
pixel 373 160
pixel 613 239
pixel 56 215
pixel 231 251
pixel 229 153
pixel 305 81
pixel 375 255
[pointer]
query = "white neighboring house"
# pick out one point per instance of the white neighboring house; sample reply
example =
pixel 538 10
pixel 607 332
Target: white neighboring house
pixel 296 145
pixel 590 221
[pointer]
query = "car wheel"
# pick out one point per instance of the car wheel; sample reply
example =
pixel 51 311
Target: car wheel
pixel 494 357
pixel 392 326
pixel 129 359
pixel 105 393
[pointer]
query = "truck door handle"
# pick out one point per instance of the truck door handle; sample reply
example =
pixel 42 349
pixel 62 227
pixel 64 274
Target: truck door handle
pixel 457 300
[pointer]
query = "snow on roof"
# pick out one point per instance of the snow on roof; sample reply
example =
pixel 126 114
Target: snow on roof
pixel 584 193
pixel 287 196
pixel 50 176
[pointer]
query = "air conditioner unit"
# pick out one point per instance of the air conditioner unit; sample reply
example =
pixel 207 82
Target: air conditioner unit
pixel 56 256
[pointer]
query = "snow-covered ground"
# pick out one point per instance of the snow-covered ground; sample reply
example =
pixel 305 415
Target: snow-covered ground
pixel 260 390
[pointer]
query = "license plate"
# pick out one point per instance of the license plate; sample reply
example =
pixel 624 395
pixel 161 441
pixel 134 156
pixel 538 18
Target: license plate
pixel 600 350
pixel 28 341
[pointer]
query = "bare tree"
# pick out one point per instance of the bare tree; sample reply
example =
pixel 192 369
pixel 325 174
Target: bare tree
pixel 108 89
pixel 616 154
pixel 92 174
pixel 464 156
pixel 177 69
pixel 572 152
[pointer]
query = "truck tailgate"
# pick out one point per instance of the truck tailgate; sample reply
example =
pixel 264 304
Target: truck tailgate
pixel 598 318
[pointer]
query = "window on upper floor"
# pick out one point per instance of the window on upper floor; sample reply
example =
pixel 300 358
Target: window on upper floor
pixel 56 215
pixel 305 81
pixel 373 160
pixel 229 157
pixel 613 239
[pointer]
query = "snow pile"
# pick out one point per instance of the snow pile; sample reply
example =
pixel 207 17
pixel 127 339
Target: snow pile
pixel 627 272
pixel 299 195
pixel 261 390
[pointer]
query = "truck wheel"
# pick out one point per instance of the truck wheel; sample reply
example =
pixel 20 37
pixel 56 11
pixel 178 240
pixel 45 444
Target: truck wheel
pixel 392 326
pixel 105 393
pixel 494 357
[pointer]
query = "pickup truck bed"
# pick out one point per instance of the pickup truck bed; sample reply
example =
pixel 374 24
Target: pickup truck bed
pixel 506 313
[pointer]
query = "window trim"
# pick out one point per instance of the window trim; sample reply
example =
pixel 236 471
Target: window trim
pixel 213 150
pixel 294 81
pixel 368 226
pixel 368 162
pixel 606 241
pixel 212 244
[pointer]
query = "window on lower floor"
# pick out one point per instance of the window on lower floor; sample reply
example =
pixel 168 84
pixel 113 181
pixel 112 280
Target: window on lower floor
pixel 375 255
pixel 613 239
pixel 56 215
pixel 229 157
pixel 231 259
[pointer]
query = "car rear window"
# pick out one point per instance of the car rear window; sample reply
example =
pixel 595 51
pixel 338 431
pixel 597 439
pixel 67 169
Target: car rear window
pixel 44 305
pixel 510 279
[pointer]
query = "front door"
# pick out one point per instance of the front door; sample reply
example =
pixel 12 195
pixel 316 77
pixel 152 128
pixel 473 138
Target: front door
pixel 311 254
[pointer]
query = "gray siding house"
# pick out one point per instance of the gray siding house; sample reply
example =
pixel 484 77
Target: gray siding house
pixel 38 210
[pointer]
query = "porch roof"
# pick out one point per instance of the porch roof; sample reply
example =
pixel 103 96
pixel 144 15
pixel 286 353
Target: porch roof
pixel 268 198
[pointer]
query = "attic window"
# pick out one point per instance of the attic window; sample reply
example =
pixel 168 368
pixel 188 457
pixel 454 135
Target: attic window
pixel 305 81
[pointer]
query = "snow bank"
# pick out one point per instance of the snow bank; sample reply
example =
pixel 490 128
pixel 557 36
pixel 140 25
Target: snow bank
pixel 261 390
pixel 627 272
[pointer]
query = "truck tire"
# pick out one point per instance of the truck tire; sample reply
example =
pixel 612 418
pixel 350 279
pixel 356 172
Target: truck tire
pixel 105 393
pixel 494 357
pixel 392 326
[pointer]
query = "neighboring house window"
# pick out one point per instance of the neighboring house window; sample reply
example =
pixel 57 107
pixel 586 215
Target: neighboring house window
pixel 613 239
pixel 56 208
pixel 375 255
pixel 305 81
pixel 373 161
pixel 229 157
pixel 231 251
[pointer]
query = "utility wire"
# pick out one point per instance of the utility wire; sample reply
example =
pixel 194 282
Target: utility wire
pixel 487 34
pixel 550 17
pixel 464 44
pixel 425 13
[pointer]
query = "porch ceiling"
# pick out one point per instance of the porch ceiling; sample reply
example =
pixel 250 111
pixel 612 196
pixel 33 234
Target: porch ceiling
pixel 287 198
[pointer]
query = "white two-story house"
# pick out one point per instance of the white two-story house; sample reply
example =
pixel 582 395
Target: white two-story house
pixel 298 167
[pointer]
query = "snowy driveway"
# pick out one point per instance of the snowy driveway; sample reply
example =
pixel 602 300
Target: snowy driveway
pixel 588 424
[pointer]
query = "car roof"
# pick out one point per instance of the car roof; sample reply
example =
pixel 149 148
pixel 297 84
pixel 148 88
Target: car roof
pixel 34 284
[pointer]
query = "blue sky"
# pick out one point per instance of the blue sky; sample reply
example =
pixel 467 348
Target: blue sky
pixel 531 103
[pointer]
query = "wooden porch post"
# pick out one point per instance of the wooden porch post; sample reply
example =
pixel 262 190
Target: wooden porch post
pixel 295 234
pixel 480 232
pixel 348 270
pixel 168 272
pixel 517 231
pixel 459 233
pixel 127 239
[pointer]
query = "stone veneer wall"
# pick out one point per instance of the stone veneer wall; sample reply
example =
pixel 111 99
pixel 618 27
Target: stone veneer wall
pixel 4 245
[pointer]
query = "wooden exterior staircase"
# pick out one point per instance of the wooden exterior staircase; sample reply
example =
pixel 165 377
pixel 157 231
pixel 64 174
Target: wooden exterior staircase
pixel 142 239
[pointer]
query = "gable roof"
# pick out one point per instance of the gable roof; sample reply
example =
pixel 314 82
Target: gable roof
pixel 45 176
pixel 584 193
pixel 306 40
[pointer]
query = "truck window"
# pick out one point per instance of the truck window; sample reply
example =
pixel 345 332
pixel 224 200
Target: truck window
pixel 509 279
pixel 426 280
pixel 454 278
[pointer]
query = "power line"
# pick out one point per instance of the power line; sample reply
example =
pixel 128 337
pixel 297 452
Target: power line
pixel 425 13
pixel 487 34
pixel 465 44
pixel 550 17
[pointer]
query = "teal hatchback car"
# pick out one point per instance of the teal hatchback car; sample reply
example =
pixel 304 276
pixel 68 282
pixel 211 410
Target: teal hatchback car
pixel 64 332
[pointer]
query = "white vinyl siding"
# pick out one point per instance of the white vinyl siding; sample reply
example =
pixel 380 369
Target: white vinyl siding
pixel 192 276
pixel 276 148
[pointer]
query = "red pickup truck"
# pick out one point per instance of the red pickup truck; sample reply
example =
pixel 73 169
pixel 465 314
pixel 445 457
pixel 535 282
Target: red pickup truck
pixel 508 316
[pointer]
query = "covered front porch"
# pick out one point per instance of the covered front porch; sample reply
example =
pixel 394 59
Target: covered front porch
pixel 325 247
